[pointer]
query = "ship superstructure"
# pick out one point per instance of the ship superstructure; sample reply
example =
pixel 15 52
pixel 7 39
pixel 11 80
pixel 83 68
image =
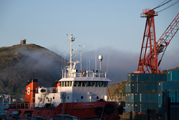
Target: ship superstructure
pixel 87 86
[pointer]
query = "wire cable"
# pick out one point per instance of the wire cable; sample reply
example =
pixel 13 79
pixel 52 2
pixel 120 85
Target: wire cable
pixel 161 4
pixel 168 6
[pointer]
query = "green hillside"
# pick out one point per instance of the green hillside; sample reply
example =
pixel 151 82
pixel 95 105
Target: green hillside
pixel 18 63
pixel 117 89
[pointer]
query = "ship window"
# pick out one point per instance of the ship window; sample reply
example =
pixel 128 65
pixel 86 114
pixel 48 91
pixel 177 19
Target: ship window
pixel 100 84
pixel 78 84
pixel 97 84
pixel 75 83
pixel 105 84
pixel 66 83
pixel 94 84
pixel 70 83
pixel 97 97
pixel 91 83
pixel 81 97
pixel 83 83
pixel 87 83
pixel 63 83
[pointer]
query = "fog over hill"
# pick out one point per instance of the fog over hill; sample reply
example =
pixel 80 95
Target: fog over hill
pixel 18 63
pixel 121 63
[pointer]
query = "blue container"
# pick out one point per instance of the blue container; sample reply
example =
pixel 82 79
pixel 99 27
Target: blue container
pixel 172 86
pixel 132 107
pixel 126 98
pixel 136 97
pixel 131 77
pixel 159 87
pixel 148 97
pixel 132 97
pixel 136 107
pixel 160 108
pixel 129 97
pixel 174 97
pixel 126 108
pixel 130 87
pixel 173 75
pixel 143 77
pixel 160 98
pixel 126 87
pixel 147 87
pixel 144 107
pixel 133 87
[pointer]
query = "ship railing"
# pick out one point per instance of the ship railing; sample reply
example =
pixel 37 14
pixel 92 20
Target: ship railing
pixel 85 74
pixel 21 105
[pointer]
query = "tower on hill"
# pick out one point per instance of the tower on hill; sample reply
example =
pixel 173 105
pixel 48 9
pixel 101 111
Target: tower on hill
pixel 23 42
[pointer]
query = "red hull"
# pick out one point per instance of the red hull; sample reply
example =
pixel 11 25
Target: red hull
pixel 82 110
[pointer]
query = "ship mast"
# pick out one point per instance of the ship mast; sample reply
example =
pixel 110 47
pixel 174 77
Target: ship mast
pixel 71 55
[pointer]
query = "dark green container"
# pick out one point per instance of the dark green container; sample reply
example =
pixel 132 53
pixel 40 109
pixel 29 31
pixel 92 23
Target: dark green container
pixel 173 75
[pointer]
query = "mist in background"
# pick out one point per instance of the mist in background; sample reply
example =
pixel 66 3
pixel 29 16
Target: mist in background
pixel 120 62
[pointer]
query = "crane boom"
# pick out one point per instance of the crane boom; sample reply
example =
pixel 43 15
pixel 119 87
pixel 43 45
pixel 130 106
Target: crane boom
pixel 148 60
pixel 167 36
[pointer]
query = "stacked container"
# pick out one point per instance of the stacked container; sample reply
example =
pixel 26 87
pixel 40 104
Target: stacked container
pixel 142 91
pixel 145 90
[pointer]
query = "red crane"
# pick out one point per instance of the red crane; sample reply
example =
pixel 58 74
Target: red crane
pixel 150 49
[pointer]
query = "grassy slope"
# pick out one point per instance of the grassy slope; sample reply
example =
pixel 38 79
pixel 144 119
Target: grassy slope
pixel 18 63
pixel 117 89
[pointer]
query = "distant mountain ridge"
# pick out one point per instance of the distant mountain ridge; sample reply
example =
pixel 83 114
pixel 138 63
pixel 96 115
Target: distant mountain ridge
pixel 18 63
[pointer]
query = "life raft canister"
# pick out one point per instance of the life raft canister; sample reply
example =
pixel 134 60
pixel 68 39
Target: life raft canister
pixel 109 108
pixel 98 110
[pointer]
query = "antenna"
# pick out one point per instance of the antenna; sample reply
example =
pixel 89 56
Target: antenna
pixel 81 56
pixel 108 58
pixel 89 64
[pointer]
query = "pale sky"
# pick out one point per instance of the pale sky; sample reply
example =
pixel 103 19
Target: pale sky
pixel 94 23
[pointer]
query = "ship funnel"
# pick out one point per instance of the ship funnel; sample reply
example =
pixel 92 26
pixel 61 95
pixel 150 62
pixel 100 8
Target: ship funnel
pixel 31 89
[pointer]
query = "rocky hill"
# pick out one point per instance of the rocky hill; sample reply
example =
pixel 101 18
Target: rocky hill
pixel 18 63
pixel 117 89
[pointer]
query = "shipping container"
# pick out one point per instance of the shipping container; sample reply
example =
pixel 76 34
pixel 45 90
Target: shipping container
pixel 174 97
pixel 131 77
pixel 136 97
pixel 160 98
pixel 173 75
pixel 160 108
pixel 172 86
pixel 126 87
pixel 148 97
pixel 145 77
pixel 126 98
pixel 147 87
pixel 130 87
pixel 144 107
pixel 126 108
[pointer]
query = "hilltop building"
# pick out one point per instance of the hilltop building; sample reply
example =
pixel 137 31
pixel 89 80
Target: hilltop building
pixel 23 42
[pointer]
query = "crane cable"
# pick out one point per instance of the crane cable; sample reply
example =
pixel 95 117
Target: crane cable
pixel 161 4
pixel 168 6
